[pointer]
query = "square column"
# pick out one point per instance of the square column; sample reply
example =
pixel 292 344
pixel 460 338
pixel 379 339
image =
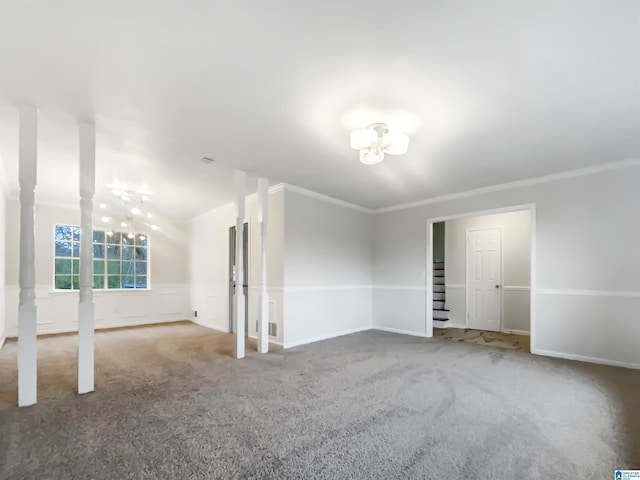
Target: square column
pixel 27 334
pixel 240 178
pixel 263 217
pixel 87 184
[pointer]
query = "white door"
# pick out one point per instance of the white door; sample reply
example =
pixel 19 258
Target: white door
pixel 484 279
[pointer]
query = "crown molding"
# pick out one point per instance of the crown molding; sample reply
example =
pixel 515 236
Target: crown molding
pixel 554 177
pixel 326 198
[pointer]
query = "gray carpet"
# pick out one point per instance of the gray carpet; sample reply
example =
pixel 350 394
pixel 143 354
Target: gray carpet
pixel 371 405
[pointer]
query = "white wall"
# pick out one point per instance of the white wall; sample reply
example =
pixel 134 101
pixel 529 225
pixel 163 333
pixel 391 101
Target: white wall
pixel 328 269
pixel 3 206
pixel 167 300
pixel 588 287
pixel 209 261
pixel 516 256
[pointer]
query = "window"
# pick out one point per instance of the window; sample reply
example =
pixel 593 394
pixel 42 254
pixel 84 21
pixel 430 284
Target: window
pixel 120 260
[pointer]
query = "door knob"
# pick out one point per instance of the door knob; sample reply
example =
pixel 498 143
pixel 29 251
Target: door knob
pixel 497 286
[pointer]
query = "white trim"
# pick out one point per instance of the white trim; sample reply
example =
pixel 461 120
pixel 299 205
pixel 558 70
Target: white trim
pixel 632 162
pixel 589 293
pixel 516 332
pixel 324 337
pixel 454 285
pixel 516 288
pixel 327 198
pixel 325 288
pixel 583 358
pixel 206 325
pixel 2 340
pixel 401 332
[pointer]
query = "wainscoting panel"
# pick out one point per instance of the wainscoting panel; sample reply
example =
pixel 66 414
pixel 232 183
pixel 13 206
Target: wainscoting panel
pixel 58 311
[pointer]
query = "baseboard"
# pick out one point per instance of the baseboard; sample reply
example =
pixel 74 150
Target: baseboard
pixel 271 341
pixel 401 332
pixel 324 337
pixel 583 358
pixel 516 332
pixel 206 325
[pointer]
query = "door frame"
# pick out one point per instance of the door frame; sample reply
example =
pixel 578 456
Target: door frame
pixel 531 208
pixel 466 271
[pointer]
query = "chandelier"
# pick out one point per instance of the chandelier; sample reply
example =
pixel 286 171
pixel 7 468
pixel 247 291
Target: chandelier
pixel 376 140
pixel 133 214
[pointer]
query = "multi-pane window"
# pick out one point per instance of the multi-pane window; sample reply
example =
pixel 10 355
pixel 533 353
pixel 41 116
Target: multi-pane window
pixel 120 260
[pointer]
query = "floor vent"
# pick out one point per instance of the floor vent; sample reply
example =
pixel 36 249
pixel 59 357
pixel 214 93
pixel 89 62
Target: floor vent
pixel 273 329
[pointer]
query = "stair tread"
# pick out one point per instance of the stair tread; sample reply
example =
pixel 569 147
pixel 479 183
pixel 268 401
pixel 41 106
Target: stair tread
pixel 441 310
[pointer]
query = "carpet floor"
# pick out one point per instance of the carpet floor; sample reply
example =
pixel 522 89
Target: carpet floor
pixel 172 404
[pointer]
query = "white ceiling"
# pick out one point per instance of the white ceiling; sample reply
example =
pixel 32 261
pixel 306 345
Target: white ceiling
pixel 489 92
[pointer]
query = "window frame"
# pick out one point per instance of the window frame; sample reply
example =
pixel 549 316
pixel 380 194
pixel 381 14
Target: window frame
pixel 104 259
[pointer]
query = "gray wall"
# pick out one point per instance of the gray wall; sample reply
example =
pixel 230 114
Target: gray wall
pixel 516 256
pixel 583 276
pixel 328 269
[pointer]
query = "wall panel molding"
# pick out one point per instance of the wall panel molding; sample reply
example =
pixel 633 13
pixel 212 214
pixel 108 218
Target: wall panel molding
pixel 117 308
pixel 588 293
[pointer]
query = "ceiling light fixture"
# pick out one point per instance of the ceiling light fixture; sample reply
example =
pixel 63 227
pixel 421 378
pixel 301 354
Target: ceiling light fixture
pixel 208 160
pixel 376 140
pixel 132 206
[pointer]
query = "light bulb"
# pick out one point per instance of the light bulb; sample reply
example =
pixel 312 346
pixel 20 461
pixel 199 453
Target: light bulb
pixel 104 219
pixel 154 227
pixel 109 233
pixel 130 235
pixel 136 211
pixel 142 237
pixel 145 198
pixel 124 224
pixel 103 205
pixel 149 215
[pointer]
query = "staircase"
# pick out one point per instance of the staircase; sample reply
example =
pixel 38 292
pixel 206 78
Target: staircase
pixel 440 313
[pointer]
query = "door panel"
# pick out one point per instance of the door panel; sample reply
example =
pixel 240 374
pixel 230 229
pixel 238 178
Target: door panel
pixel 484 279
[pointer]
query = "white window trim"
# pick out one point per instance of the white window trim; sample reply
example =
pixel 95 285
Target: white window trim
pixel 105 274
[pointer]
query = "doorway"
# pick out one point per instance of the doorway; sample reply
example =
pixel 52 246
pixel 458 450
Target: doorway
pixel 245 275
pixel 480 277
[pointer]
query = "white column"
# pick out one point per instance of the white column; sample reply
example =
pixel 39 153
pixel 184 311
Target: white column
pixel 238 303
pixel 263 217
pixel 27 342
pixel 85 306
